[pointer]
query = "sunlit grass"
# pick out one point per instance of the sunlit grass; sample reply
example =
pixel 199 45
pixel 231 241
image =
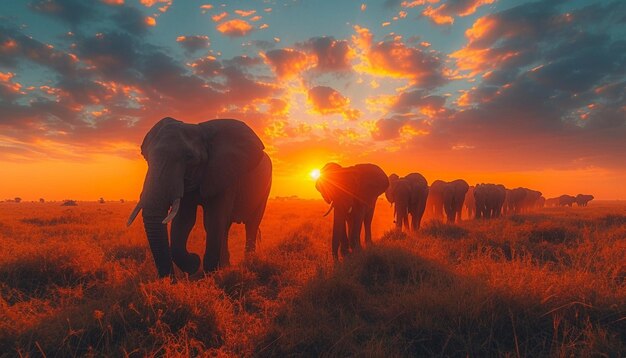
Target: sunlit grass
pixel 76 281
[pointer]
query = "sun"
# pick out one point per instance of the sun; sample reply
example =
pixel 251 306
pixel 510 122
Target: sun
pixel 315 174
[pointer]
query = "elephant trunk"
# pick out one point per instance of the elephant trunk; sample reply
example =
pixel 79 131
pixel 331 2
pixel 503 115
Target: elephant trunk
pixel 158 240
pixel 157 197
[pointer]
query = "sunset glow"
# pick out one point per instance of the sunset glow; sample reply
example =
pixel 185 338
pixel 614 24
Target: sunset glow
pixel 315 174
pixel 516 92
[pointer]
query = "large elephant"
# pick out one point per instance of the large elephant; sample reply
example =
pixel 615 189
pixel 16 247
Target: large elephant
pixel 453 199
pixel 470 203
pixel 552 202
pixel 352 193
pixel 409 195
pixel 434 203
pixel 489 199
pixel 219 165
pixel 583 199
pixel 566 200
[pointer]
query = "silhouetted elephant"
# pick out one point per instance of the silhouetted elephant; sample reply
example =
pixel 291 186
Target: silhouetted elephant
pixel 566 200
pixel 453 198
pixel 219 165
pixel 489 199
pixel 470 203
pixel 409 196
pixel 552 202
pixel 540 203
pixel 582 199
pixel 514 200
pixel 434 202
pixel 352 193
pixel 530 199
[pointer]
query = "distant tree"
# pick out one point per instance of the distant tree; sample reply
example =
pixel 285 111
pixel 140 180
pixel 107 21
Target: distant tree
pixel 122 201
pixel 41 200
pixel 101 201
pixel 17 199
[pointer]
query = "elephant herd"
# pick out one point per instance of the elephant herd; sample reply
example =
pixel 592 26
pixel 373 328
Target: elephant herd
pixel 221 166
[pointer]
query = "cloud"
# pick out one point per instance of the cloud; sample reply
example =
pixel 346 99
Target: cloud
pixel 397 126
pixel 235 28
pixel 73 12
pixel 393 58
pixel 219 17
pixel 131 20
pixel 193 43
pixel 325 100
pixel 444 14
pixel 286 63
pixel 245 13
pixel 330 54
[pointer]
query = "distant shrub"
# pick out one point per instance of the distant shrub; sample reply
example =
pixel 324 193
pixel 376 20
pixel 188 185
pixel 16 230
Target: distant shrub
pixel 440 230
pixel 69 203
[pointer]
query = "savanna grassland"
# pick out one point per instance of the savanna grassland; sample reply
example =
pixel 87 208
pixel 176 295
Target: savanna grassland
pixel 76 281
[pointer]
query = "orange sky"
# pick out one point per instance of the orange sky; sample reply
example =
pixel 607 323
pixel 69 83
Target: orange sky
pixel 522 93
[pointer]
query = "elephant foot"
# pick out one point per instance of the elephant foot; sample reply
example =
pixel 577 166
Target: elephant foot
pixel 189 264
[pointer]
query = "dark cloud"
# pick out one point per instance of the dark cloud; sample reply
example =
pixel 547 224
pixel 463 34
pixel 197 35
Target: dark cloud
pixel 330 54
pixel 73 12
pixel 130 19
pixel 193 43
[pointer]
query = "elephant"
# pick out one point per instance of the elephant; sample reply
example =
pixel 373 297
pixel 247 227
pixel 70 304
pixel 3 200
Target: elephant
pixel 552 202
pixel 453 199
pixel 434 202
pixel 352 193
pixel 489 199
pixel 409 196
pixel 219 165
pixel 470 203
pixel 514 200
pixel 566 200
pixel 583 199
pixel 530 199
pixel 540 203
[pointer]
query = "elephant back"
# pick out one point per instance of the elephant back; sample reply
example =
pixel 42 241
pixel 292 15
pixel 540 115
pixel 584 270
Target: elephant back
pixel 371 180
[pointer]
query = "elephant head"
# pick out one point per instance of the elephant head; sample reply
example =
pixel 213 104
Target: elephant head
pixel 352 193
pixel 205 159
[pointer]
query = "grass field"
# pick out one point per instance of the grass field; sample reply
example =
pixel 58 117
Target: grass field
pixel 76 281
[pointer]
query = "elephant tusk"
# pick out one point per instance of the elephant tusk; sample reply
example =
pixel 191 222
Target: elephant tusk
pixel 133 215
pixel 332 205
pixel 173 212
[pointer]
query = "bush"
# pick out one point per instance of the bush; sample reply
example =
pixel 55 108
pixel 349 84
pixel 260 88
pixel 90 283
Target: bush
pixel 440 230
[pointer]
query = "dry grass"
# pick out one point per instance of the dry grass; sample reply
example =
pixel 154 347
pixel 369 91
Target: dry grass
pixel 74 281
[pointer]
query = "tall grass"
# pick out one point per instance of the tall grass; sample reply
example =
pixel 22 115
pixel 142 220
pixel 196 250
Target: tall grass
pixel 74 281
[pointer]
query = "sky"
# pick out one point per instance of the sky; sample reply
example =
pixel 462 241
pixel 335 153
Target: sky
pixel 523 93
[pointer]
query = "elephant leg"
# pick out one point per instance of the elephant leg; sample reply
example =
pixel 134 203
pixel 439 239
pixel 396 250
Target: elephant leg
pixel 340 239
pixel 252 230
pixel 252 227
pixel 181 228
pixel 367 224
pixel 357 216
pixel 216 224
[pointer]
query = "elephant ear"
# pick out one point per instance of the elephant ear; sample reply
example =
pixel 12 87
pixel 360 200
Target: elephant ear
pixel 153 133
pixel 233 151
